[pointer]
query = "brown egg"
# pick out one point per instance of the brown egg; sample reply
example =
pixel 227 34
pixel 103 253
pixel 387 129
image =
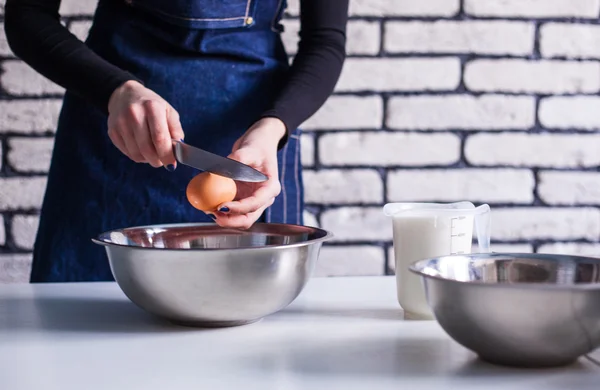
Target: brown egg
pixel 206 191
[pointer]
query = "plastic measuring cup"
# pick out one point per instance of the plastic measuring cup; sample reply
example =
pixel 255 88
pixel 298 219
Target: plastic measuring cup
pixel 426 230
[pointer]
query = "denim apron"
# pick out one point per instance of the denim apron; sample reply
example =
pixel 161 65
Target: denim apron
pixel 219 64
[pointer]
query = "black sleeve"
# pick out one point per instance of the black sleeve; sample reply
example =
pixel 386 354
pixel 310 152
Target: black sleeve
pixel 35 34
pixel 317 64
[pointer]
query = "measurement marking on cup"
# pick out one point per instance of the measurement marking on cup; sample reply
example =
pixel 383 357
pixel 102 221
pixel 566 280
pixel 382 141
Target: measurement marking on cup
pixel 456 233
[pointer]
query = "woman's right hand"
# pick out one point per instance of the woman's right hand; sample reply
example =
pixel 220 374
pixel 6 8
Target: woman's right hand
pixel 142 125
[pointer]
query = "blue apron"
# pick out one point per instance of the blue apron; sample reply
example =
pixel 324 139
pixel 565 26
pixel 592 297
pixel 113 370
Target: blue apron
pixel 219 64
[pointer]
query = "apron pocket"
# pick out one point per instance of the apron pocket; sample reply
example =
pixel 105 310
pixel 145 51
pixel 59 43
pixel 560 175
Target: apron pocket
pixel 201 14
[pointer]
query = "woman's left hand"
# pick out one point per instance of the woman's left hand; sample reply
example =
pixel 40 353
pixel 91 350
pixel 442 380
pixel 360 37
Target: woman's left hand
pixel 258 149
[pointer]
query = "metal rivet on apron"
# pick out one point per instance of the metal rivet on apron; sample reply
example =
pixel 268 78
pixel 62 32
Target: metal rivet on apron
pixel 249 20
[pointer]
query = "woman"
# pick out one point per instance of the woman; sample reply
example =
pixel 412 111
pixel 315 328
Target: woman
pixel 214 73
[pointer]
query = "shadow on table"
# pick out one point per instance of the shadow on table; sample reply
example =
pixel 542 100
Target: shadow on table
pixel 72 314
pixel 391 358
pixel 379 314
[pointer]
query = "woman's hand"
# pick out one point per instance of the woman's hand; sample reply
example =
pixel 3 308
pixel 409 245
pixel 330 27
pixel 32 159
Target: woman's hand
pixel 257 148
pixel 142 125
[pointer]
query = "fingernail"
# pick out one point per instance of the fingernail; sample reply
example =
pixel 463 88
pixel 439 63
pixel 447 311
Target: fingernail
pixel 224 209
pixel 170 167
pixel 212 216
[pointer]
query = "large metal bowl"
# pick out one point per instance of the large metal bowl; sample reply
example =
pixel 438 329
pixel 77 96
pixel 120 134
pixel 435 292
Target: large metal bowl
pixel 205 275
pixel 528 310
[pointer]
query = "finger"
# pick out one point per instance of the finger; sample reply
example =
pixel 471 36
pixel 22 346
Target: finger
pixel 130 144
pixel 241 221
pixel 174 124
pixel 156 116
pixel 142 137
pixel 259 199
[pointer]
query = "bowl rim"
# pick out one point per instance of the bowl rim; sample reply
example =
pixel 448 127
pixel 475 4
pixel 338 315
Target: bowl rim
pixel 413 267
pixel 327 235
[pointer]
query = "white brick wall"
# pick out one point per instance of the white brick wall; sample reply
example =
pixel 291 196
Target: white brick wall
pixel 533 8
pixel 534 150
pixel 494 101
pixel 24 228
pixel 19 79
pixel 388 149
pixel 581 112
pixel 569 188
pixel 448 112
pixel 30 155
pixel 570 40
pixel 29 116
pixel 489 37
pixel 21 193
pixel 527 76
pixel 347 112
pixel 336 186
pixel 393 74
pixel 444 185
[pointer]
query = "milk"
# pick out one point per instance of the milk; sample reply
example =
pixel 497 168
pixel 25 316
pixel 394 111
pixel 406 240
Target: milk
pixel 423 236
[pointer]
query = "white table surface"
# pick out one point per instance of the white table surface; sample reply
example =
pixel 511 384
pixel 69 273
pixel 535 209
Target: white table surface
pixel 341 333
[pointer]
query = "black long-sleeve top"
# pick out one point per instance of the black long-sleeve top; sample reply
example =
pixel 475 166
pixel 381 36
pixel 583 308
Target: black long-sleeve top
pixel 35 35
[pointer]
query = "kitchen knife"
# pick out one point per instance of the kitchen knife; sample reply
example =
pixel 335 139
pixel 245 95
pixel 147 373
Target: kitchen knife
pixel 213 163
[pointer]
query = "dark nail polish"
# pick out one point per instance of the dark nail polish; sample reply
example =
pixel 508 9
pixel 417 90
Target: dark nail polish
pixel 170 167
pixel 224 209
pixel 212 216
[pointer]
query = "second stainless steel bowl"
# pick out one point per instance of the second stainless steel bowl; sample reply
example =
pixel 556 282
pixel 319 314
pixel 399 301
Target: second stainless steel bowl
pixel 514 309
pixel 205 275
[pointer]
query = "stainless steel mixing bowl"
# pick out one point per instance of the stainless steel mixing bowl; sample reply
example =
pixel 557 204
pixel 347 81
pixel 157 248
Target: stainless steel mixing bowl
pixel 205 275
pixel 528 310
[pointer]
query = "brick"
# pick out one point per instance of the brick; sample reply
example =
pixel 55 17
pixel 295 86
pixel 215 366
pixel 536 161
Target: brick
pixel 24 229
pixel 569 188
pixel 400 74
pixel 350 261
pixel 30 155
pixel 393 8
pixel 347 112
pixel 545 223
pixel 574 249
pixel 29 116
pixel 570 40
pixel 2 231
pixel 4 47
pixel 77 7
pixel 534 8
pixel 19 79
pixel 289 36
pixel 357 224
pixel 335 186
pixel 307 152
pixel 15 268
pixel 565 112
pixel 310 219
pixel 551 150
pixel 388 149
pixel 22 193
pixel 444 36
pixel 491 112
pixel 525 76
pixel 80 28
pixel 485 185
pixel 362 37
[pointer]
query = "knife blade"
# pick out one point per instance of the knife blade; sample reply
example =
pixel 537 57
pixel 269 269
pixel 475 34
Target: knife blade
pixel 213 163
